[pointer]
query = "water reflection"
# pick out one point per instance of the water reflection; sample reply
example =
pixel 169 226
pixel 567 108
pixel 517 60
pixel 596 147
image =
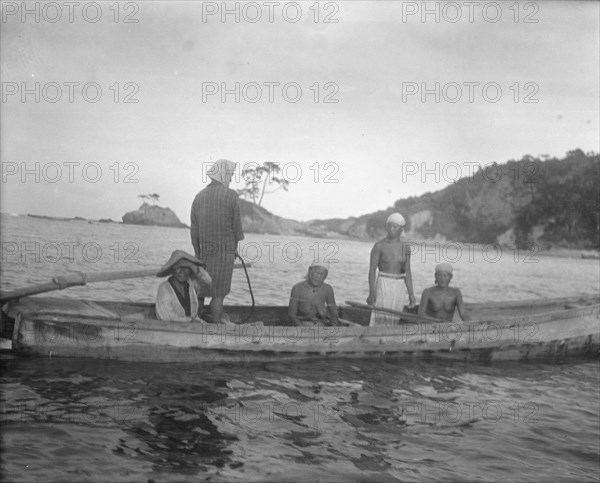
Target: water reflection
pixel 177 435
pixel 349 420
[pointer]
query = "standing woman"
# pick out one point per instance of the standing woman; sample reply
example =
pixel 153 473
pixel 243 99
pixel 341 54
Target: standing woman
pixel 216 229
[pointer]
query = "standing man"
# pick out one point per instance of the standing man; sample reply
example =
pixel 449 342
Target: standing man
pixel 216 229
pixel 391 258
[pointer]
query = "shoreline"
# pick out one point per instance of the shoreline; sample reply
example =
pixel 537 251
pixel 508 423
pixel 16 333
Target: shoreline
pixel 554 252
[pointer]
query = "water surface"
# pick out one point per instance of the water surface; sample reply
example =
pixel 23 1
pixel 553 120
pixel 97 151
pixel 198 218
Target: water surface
pixel 317 420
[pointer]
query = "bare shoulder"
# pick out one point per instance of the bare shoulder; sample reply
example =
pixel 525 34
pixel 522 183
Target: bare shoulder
pixel 406 246
pixel 297 287
pixel 377 246
pixel 455 291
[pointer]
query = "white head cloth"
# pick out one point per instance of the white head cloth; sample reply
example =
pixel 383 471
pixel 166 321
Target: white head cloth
pixel 317 263
pixel 396 219
pixel 222 170
pixel 443 267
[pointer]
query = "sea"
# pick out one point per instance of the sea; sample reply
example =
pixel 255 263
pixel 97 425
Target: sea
pixel 315 420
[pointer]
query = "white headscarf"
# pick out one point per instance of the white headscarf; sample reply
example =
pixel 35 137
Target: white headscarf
pixel 321 264
pixel 220 170
pixel 396 219
pixel 443 267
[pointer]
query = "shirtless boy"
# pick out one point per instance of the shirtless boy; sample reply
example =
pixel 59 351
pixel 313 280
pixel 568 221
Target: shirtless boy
pixel 440 300
pixel 391 256
pixel 312 301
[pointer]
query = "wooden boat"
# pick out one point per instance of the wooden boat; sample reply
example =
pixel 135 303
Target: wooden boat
pixel 591 255
pixel 546 330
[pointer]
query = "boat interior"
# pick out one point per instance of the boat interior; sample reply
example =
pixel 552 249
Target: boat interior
pixel 269 315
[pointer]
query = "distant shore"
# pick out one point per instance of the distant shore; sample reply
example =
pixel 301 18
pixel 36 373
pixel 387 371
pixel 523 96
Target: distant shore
pixel 558 252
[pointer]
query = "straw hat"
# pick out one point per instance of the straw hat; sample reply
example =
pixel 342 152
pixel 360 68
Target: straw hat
pixel 180 258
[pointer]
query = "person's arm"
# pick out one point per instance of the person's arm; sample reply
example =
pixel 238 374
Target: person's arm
pixel 194 231
pixel 408 278
pixel 237 219
pixel 293 307
pixel 423 303
pixel 373 264
pixel 199 279
pixel 203 277
pixel 460 305
pixel 332 306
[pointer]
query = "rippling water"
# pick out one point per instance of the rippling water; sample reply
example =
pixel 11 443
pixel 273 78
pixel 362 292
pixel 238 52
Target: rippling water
pixel 78 420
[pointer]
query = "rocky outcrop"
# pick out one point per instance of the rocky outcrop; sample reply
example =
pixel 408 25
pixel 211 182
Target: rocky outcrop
pixel 152 215
pixel 255 219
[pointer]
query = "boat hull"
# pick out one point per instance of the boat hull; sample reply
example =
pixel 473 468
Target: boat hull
pixel 553 332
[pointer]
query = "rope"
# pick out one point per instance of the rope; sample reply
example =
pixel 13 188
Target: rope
pixel 249 287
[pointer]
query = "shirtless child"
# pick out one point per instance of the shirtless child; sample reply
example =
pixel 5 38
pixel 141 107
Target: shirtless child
pixel 391 256
pixel 440 300
pixel 312 301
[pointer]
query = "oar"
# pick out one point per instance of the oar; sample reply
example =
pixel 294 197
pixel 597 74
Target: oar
pixel 404 315
pixel 75 279
pixel 79 278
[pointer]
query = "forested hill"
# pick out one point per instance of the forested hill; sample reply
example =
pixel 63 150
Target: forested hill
pixel 552 202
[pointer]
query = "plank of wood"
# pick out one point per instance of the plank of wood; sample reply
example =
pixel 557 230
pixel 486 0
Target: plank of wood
pixel 350 323
pixel 404 315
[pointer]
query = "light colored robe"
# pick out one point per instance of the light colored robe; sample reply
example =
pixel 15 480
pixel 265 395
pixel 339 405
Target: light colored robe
pixel 168 306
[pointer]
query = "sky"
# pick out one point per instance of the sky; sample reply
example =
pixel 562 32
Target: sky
pixel 360 103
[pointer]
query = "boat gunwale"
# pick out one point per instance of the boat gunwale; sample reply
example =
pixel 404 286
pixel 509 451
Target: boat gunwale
pixel 309 332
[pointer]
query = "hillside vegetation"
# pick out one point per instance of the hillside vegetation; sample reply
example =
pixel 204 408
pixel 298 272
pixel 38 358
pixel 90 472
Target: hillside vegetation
pixel 552 202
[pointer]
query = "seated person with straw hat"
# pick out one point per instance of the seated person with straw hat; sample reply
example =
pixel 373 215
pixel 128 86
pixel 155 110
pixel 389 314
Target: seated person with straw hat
pixel 176 299
pixel 440 301
pixel 390 278
pixel 312 301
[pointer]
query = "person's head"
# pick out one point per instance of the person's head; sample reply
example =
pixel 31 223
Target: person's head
pixel 222 171
pixel 443 274
pixel 183 270
pixel 317 273
pixel 181 266
pixel 395 224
